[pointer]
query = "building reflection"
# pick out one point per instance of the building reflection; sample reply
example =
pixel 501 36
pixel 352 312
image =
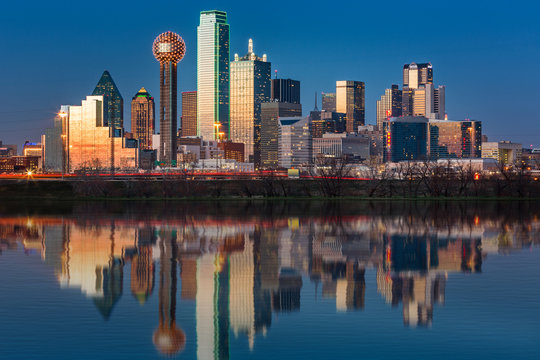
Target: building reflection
pixel 243 273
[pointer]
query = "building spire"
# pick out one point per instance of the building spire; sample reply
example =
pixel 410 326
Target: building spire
pixel 250 46
pixel 316 108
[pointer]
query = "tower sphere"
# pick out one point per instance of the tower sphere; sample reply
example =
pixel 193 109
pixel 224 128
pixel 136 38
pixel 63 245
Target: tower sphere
pixel 169 46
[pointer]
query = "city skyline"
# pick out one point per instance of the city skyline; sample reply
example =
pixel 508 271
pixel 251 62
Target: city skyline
pixel 35 107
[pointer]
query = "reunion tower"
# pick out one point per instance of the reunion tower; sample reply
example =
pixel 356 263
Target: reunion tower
pixel 169 48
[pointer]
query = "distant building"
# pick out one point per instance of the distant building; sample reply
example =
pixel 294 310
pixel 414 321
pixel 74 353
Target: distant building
pixel 89 145
pixel 351 146
pixel 294 142
pixel 232 150
pixel 417 74
pixel 389 105
pixel 429 101
pixel 31 149
pixel 327 122
pixel 7 150
pixel 350 99
pixel 455 139
pixel 143 118
pixel 250 87
pixel 19 163
pixel 405 138
pixel 213 75
pixel 270 113
pixel 329 102
pixel 505 152
pixel 189 113
pixel 114 103
pixel 375 137
pixel 285 90
pixel 54 147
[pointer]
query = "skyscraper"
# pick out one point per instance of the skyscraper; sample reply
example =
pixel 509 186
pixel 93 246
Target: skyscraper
pixel 143 118
pixel 114 103
pixel 250 87
pixel 329 102
pixel 350 99
pixel 389 105
pixel 213 75
pixel 415 75
pixel 189 113
pixel 270 113
pixel 169 49
pixel 295 142
pixel 285 90
pixel 405 138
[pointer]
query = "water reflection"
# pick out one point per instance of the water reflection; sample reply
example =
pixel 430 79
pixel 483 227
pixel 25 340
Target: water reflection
pixel 241 267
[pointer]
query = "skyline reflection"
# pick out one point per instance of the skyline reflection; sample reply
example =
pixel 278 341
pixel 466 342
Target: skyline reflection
pixel 241 271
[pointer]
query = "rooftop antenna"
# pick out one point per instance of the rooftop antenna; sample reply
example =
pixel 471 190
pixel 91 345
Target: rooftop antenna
pixel 275 71
pixel 316 108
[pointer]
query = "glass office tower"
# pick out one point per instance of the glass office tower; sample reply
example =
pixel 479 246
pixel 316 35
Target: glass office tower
pixel 143 121
pixel 213 75
pixel 114 103
pixel 250 87
pixel 350 100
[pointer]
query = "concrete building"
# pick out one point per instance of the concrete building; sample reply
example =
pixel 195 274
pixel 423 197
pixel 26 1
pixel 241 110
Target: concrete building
pixel 89 142
pixel 505 152
pixel 213 75
pixel 352 146
pixel 270 113
pixel 350 99
pixel 143 118
pixel 250 87
pixel 295 146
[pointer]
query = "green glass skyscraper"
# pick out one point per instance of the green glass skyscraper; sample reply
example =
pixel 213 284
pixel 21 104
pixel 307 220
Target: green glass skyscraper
pixel 213 75
pixel 114 103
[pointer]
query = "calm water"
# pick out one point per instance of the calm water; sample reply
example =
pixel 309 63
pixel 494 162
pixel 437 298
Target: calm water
pixel 237 280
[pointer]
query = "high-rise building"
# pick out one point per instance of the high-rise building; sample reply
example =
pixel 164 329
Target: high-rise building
pixel 114 113
pixel 189 113
pixel 169 49
pixel 439 103
pixel 213 75
pixel 405 138
pixel 455 139
pixel 270 113
pixel 327 122
pixel 428 101
pixel 250 87
pixel 415 75
pixel 89 142
pixel 350 99
pixel 53 147
pixel 295 143
pixel 329 102
pixel 389 105
pixel 285 90
pixel 143 119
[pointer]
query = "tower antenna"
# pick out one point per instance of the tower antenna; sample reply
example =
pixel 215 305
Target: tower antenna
pixel 275 71
pixel 316 108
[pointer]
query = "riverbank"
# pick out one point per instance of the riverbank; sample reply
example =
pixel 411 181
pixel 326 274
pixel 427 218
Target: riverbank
pixel 271 188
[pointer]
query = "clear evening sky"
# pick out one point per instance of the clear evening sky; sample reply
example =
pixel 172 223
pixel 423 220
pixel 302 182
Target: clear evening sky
pixel 487 53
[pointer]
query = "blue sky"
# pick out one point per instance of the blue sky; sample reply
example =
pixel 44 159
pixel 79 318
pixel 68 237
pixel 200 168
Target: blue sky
pixel 485 52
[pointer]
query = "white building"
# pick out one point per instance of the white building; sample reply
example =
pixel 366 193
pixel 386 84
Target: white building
pixel 503 151
pixel 295 147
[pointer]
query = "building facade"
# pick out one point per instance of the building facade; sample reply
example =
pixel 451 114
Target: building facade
pixel 143 118
pixel 270 114
pixel 389 105
pixel 415 75
pixel 295 145
pixel 285 90
pixel 329 102
pixel 169 49
pixel 114 109
pixel 189 113
pixel 350 100
pixel 54 147
pixel 90 145
pixel 250 87
pixel 505 152
pixel 455 139
pixel 213 75
pixel 405 138
pixel 323 122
